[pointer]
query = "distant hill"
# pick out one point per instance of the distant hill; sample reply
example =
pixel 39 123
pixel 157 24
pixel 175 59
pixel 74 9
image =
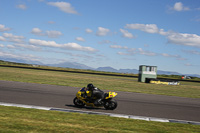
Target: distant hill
pixel 82 66
pixel 134 71
pixel 168 73
pixel 110 69
pixel 106 69
pixel 71 65
pixel 22 61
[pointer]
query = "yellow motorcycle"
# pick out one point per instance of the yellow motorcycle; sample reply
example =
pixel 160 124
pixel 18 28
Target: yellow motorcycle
pixel 82 100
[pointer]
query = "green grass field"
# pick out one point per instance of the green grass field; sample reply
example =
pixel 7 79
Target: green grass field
pixel 116 83
pixel 14 119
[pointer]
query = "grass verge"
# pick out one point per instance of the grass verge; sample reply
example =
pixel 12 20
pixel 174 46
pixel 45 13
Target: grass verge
pixel 14 119
pixel 129 84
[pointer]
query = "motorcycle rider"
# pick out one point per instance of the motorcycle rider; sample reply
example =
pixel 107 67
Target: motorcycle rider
pixel 95 92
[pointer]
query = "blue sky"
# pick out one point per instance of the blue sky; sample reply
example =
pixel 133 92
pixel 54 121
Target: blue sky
pixel 97 33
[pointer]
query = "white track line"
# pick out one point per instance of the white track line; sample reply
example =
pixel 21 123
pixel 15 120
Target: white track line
pixel 101 113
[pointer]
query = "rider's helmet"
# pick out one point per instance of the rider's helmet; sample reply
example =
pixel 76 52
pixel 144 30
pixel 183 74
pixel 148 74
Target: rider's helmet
pixel 90 87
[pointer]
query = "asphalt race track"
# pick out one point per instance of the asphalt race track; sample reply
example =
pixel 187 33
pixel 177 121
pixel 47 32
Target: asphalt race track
pixel 137 104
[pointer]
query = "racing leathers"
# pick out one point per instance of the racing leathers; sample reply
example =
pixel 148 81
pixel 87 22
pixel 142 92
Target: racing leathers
pixel 96 95
pixel 99 94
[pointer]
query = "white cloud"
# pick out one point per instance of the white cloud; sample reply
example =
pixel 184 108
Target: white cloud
pixel 178 6
pixel 162 32
pixel 22 6
pixel 173 37
pixel 3 28
pixel 122 53
pixel 184 39
pixel 80 39
pixel 53 34
pixel 192 52
pixel 104 42
pixel 102 31
pixel 13 38
pixel 30 47
pixel 132 51
pixel 166 55
pixel 2 38
pixel 7 55
pixel 126 34
pixel 19 56
pixel 177 57
pixel 69 46
pixel 71 54
pixel 50 34
pixel 64 6
pixel 37 31
pixel 140 51
pixel 1 45
pixel 44 43
pixel 148 53
pixel 149 28
pixel 118 47
pixel 88 31
pixel 10 46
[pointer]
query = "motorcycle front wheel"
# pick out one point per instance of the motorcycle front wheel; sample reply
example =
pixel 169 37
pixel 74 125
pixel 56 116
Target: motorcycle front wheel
pixel 78 102
pixel 110 105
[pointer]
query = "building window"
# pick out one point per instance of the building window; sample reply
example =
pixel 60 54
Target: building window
pixel 152 69
pixel 147 69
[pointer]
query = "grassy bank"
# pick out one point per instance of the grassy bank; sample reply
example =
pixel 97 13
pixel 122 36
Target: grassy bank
pixel 130 84
pixel 13 119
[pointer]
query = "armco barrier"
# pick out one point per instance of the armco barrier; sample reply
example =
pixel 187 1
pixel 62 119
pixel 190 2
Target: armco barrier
pixel 49 69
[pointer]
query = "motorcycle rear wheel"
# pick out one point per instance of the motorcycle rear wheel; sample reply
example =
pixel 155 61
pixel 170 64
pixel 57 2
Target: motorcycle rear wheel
pixel 110 105
pixel 78 102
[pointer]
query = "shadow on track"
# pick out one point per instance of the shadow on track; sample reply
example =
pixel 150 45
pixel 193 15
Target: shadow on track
pixel 85 107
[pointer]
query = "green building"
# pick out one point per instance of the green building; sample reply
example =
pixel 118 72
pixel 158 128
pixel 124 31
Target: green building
pixel 147 72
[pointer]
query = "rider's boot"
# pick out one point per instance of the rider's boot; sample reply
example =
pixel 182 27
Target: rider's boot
pixel 98 102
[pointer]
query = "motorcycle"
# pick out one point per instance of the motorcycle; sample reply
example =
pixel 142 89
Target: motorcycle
pixel 108 103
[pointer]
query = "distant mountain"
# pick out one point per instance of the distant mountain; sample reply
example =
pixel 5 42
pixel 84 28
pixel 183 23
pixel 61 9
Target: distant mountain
pixel 110 69
pixel 82 66
pixel 71 65
pixel 135 71
pixel 22 61
pixel 168 73
pixel 106 69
